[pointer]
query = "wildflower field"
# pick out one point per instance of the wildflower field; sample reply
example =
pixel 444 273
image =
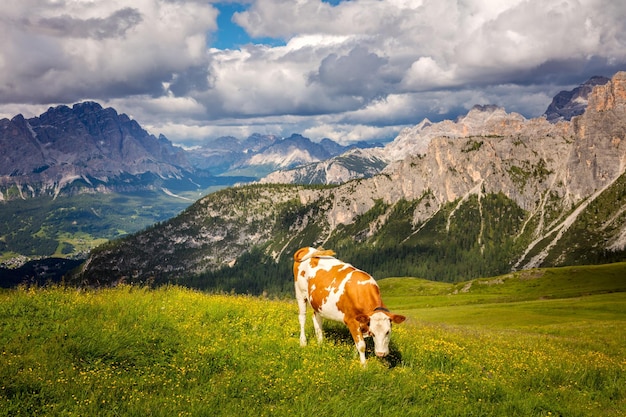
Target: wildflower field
pixel 549 343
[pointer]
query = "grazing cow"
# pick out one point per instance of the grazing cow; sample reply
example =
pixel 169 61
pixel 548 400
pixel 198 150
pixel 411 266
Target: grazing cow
pixel 338 291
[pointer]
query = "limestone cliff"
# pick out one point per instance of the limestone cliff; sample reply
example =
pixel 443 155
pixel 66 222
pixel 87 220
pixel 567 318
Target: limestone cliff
pixel 519 157
pixel 543 167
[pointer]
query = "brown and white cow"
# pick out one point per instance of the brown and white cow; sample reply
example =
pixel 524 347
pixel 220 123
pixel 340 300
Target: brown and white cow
pixel 339 291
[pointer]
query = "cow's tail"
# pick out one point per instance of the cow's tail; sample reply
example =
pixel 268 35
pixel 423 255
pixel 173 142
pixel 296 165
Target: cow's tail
pixel 308 253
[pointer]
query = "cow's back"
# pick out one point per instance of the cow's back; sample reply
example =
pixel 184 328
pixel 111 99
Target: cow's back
pixel 337 289
pixel 315 273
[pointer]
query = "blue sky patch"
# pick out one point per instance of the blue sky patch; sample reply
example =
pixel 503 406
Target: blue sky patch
pixel 230 35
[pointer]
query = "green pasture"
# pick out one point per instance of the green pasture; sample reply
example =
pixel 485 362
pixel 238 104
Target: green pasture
pixel 517 346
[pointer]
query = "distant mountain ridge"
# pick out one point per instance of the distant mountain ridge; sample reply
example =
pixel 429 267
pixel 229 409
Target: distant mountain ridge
pixel 352 164
pixel 88 148
pixel 259 155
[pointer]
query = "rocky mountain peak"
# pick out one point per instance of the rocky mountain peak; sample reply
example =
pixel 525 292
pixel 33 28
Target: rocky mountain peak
pixel 256 142
pixel 87 107
pixel 424 123
pixel 484 108
pixel 568 104
pixel 289 152
pixel 64 145
pixel 608 95
pixel 481 120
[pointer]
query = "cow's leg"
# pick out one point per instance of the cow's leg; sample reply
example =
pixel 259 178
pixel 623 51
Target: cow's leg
pixel 317 324
pixel 302 319
pixel 359 341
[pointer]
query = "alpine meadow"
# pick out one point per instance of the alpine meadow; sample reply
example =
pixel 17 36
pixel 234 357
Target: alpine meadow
pixel 543 342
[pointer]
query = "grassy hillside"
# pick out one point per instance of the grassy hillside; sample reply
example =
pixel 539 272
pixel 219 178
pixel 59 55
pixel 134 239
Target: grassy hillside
pixel 257 225
pixel 530 285
pixel 134 352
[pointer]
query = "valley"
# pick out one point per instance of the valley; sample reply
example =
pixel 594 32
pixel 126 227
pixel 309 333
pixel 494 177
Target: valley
pixel 71 226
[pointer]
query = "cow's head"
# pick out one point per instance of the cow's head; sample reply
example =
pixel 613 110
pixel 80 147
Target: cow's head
pixel 378 325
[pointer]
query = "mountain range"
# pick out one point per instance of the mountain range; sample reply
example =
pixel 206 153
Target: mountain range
pixel 482 119
pixel 75 176
pixel 487 193
pixel 259 155
pixel 87 149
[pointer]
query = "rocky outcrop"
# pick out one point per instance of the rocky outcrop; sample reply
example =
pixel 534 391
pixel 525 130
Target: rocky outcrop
pixel 568 104
pixel 479 121
pixel 598 155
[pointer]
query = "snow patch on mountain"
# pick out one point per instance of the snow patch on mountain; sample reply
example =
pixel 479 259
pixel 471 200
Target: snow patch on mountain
pixel 283 160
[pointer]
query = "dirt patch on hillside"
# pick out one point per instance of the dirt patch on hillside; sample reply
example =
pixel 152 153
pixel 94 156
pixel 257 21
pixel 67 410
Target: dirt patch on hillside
pixel 530 274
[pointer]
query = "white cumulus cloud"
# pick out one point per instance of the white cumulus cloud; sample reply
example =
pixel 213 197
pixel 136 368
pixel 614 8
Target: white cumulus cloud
pixel 350 71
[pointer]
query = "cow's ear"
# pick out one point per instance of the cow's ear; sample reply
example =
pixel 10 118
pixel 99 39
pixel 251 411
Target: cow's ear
pixel 397 318
pixel 363 318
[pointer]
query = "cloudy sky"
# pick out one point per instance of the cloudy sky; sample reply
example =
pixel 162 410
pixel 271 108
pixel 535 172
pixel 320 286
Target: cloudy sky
pixel 347 70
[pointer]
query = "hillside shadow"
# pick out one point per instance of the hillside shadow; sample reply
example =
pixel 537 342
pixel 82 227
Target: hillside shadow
pixel 340 334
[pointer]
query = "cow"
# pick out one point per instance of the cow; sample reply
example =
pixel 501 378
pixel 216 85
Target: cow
pixel 338 291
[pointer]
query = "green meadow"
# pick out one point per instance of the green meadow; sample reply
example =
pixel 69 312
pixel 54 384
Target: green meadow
pixel 532 343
